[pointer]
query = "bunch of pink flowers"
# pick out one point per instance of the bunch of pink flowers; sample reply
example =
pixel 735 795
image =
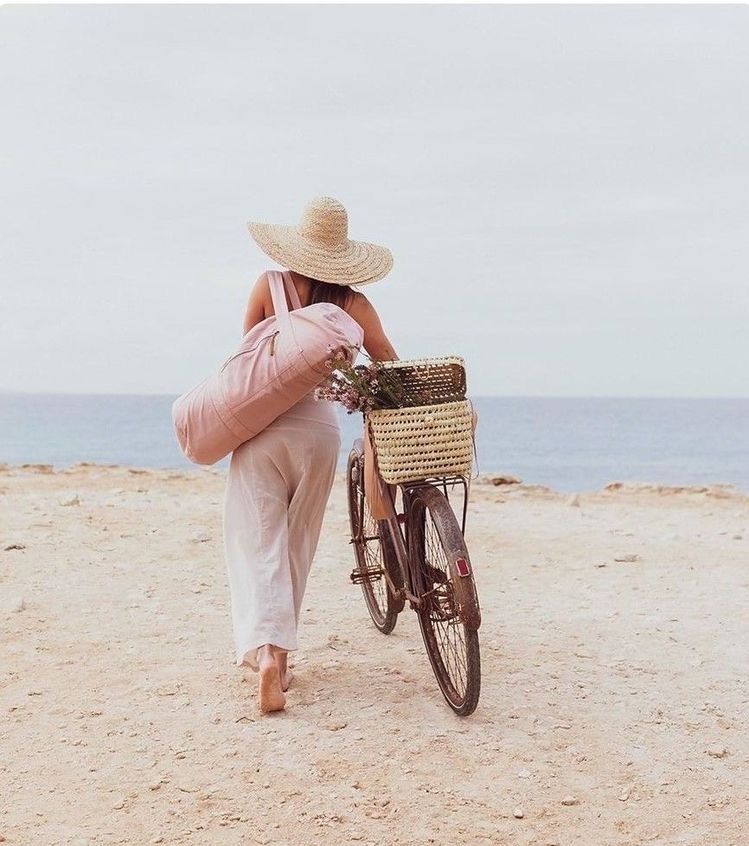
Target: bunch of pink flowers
pixel 360 387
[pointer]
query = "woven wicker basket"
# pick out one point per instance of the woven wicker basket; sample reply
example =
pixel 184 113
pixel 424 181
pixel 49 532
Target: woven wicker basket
pixel 423 441
pixel 428 381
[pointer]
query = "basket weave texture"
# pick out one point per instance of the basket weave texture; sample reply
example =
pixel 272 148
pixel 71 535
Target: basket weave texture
pixel 431 440
pixel 428 381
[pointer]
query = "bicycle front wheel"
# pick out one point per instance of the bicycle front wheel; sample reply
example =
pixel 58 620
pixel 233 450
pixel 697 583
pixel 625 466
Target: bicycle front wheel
pixel 449 615
pixel 373 549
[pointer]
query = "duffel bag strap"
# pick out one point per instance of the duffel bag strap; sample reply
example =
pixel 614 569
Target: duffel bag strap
pixel 276 285
pixel 291 288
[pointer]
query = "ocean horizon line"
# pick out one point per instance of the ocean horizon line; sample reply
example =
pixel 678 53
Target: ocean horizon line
pixel 470 395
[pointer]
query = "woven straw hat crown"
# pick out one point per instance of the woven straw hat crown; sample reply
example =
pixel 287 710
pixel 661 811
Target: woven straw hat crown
pixel 325 221
pixel 319 246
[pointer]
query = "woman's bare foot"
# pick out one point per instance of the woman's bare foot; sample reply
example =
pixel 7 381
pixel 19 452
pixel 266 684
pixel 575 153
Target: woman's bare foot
pixel 285 673
pixel 270 692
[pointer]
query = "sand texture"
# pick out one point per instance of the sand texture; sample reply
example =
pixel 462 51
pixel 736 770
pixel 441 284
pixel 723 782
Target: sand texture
pixel 614 707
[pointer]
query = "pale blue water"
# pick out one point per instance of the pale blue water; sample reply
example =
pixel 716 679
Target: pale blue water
pixel 567 443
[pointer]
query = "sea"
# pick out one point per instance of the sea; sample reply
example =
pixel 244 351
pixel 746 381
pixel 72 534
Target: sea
pixel 568 444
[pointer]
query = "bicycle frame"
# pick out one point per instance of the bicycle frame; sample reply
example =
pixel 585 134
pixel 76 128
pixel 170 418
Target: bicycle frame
pixel 400 545
pixel 395 522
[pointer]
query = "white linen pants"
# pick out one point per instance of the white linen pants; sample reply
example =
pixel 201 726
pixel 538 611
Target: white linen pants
pixel 276 492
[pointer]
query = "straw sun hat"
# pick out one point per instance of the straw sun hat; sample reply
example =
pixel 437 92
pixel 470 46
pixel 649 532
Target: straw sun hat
pixel 320 247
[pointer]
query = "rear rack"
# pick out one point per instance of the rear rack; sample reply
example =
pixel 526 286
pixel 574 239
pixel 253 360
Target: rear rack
pixel 445 482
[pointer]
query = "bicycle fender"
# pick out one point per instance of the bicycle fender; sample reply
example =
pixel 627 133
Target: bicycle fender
pixel 461 572
pixel 465 590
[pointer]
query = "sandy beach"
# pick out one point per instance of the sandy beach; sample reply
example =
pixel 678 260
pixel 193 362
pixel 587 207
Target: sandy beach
pixel 614 705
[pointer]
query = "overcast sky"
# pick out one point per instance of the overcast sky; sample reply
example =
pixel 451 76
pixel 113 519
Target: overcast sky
pixel 564 189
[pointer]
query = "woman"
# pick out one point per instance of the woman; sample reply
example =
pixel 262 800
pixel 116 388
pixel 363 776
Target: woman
pixel 279 481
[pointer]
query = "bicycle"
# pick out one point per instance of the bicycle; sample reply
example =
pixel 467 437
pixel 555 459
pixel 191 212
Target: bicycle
pixel 418 555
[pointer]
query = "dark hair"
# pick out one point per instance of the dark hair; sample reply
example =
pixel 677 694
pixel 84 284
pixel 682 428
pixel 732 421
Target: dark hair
pixel 329 292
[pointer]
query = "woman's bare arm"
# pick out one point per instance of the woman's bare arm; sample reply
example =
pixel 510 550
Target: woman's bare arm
pixel 255 311
pixel 376 342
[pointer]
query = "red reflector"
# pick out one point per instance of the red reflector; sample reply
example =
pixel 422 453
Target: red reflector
pixel 464 568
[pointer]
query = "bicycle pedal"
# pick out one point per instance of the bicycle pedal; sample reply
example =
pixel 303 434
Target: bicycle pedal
pixel 357 576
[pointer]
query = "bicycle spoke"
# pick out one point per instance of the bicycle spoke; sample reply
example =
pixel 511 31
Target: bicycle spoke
pixel 373 556
pixel 368 551
pixel 448 631
pixel 452 648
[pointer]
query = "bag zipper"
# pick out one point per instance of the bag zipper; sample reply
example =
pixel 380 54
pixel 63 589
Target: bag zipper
pixel 272 337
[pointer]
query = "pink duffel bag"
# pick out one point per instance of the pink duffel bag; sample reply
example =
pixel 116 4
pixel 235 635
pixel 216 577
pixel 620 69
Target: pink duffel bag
pixel 280 360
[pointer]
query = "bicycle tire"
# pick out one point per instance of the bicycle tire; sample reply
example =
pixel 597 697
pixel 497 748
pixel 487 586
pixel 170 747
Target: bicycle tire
pixel 450 616
pixel 373 550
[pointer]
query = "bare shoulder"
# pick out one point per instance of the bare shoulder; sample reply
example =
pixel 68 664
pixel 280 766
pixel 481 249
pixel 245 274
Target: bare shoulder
pixel 262 290
pixel 359 305
pixel 257 308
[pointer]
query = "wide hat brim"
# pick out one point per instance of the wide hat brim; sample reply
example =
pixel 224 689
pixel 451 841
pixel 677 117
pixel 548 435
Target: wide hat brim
pixel 351 263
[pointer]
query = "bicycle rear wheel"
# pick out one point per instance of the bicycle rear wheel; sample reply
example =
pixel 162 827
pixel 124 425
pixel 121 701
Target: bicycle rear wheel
pixel 373 549
pixel 449 615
